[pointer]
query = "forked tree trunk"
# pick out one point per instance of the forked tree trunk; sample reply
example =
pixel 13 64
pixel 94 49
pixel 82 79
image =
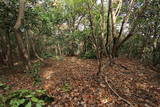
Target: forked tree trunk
pixel 18 34
pixel 118 42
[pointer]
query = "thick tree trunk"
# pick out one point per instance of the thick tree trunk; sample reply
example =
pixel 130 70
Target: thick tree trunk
pixel 6 42
pixel 22 50
pixel 6 48
pixel 23 53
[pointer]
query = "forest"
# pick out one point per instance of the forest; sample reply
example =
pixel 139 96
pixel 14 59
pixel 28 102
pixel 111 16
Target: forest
pixel 79 53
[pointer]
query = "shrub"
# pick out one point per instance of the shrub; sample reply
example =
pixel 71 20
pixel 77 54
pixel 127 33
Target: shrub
pixel 25 98
pixel 3 86
pixel 47 55
pixel 35 72
pixel 89 55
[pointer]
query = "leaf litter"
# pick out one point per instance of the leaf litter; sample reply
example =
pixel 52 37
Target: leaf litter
pixel 72 83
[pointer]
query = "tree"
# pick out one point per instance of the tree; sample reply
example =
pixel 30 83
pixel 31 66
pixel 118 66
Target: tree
pixel 18 33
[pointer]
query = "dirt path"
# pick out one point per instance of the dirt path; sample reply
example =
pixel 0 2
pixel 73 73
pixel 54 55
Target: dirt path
pixel 71 82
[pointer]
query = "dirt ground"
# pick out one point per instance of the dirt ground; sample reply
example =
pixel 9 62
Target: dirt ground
pixel 72 82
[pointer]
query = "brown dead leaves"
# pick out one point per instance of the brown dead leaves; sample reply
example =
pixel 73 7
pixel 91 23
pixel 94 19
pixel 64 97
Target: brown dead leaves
pixel 73 84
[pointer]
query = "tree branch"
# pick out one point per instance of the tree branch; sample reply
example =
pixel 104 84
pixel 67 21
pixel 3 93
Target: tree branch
pixel 135 23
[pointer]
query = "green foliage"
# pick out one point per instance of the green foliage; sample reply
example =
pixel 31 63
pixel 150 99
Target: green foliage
pixel 47 55
pixel 132 47
pixel 25 98
pixel 89 55
pixel 2 100
pixel 156 57
pixel 3 86
pixel 59 58
pixel 60 26
pixel 143 49
pixel 35 72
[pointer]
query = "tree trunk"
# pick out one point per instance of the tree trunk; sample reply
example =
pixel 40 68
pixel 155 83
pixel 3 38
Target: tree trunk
pixel 31 41
pixel 18 34
pixel 117 41
pixel 9 51
pixel 22 50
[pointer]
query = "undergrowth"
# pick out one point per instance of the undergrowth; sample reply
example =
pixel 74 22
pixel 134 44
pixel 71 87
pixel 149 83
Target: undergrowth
pixel 89 55
pixel 35 73
pixel 25 98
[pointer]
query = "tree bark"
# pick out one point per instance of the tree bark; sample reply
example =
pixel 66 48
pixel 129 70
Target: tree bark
pixel 31 35
pixel 18 34
pixel 119 43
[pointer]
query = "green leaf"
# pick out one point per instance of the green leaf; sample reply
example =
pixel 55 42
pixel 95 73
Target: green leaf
pixel 29 96
pixel 40 91
pixel 34 99
pixel 1 84
pixel 16 102
pixel 29 104
pixel 38 105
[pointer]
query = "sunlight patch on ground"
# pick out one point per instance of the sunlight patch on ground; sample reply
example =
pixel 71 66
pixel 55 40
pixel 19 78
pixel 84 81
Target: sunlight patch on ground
pixel 47 74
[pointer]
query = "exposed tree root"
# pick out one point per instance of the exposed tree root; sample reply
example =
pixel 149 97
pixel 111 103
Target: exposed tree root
pixel 122 66
pixel 119 97
pixel 108 84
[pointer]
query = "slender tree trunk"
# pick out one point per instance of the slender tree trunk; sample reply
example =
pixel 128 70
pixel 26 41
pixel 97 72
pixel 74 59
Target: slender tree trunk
pixel 155 42
pixel 27 44
pixel 9 51
pixel 3 49
pixel 59 50
pixel 31 41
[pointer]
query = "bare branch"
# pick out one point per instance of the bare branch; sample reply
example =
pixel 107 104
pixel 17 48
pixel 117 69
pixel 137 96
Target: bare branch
pixel 135 23
pixel 125 19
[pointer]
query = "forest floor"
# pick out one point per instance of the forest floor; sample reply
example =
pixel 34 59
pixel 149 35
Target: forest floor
pixel 72 82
